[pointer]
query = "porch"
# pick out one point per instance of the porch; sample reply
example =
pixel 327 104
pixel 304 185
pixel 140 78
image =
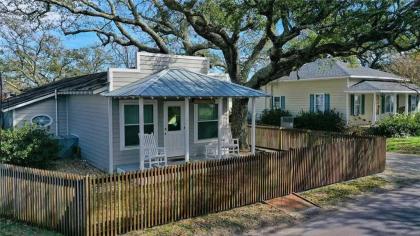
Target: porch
pixel 370 101
pixel 185 111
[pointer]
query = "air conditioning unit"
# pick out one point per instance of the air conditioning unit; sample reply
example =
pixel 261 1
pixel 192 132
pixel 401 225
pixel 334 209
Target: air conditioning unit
pixel 287 122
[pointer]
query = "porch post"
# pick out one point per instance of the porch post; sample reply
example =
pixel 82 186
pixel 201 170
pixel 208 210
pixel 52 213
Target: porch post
pixel 141 132
pixel 253 127
pixel 406 104
pixel 187 129
pixel 395 104
pixel 348 108
pixel 220 124
pixel 374 109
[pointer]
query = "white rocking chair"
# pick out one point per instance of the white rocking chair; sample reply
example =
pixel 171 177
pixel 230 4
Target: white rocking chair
pixel 229 145
pixel 153 155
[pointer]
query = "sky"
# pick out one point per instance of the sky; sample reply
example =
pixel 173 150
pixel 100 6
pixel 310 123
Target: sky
pixel 79 40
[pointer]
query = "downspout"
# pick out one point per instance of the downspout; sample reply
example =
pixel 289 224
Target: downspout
pixel 56 112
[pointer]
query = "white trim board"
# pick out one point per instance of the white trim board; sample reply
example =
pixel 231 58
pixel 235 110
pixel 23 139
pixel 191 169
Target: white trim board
pixel 121 120
pixel 29 102
pixel 196 140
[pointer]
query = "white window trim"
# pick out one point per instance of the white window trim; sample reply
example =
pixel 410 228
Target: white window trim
pixel 359 99
pixel 391 104
pixel 196 140
pixel 122 103
pixel 51 119
pixel 413 103
pixel 274 98
pixel 323 102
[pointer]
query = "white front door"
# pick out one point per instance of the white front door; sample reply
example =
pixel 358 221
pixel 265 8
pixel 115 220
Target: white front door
pixel 173 113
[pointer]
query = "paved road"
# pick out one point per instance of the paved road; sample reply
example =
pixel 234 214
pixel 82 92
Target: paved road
pixel 395 212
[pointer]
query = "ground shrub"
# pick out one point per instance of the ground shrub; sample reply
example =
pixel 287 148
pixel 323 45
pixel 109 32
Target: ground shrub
pixel 27 146
pixel 398 125
pixel 325 121
pixel 272 117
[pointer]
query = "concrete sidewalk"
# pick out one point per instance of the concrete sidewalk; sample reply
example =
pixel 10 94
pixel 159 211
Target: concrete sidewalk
pixel 395 212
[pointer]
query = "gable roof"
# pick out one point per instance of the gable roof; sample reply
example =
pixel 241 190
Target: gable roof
pixel 383 86
pixel 175 82
pixel 85 84
pixel 332 68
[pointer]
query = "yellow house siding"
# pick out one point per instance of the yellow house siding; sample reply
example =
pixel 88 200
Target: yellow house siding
pixel 297 93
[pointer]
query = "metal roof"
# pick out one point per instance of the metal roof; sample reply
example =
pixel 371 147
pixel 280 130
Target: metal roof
pixel 175 82
pixel 85 84
pixel 383 86
pixel 333 68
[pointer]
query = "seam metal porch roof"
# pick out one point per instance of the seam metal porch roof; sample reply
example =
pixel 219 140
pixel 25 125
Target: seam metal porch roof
pixel 383 86
pixel 175 82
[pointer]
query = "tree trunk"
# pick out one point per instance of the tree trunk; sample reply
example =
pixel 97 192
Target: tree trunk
pixel 239 121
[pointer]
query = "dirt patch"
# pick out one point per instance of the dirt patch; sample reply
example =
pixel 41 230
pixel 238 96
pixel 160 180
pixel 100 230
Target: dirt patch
pixel 74 166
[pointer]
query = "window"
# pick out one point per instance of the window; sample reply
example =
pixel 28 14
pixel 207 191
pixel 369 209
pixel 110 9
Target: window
pixel 276 103
pixel 320 102
pixel 206 121
pixel 41 120
pixel 389 103
pixel 279 103
pixel 174 118
pixel 358 101
pixel 130 126
pixel 412 103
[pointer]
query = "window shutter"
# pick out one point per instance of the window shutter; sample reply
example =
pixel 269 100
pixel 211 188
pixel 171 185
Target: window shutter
pixel 363 104
pixel 398 102
pixel 383 103
pixel 409 103
pixel 327 102
pixel 283 102
pixel 352 104
pixel 311 103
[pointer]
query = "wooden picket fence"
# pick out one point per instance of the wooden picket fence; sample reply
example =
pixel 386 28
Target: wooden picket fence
pixel 118 203
pixel 278 138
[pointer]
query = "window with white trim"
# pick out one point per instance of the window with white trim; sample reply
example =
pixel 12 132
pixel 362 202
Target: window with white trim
pixel 206 121
pixel 129 114
pixel 389 103
pixel 276 103
pixel 357 104
pixel 413 103
pixel 42 120
pixel 319 102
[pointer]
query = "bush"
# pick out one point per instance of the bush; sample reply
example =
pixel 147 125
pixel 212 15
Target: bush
pixel 272 116
pixel 27 146
pixel 325 121
pixel 398 125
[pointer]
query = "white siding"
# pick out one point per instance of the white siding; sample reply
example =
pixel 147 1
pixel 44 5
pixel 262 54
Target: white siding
pixel 151 63
pixel 148 63
pixel 88 120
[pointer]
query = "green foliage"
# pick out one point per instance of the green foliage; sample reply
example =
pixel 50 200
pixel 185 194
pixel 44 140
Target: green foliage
pixel 272 116
pixel 325 121
pixel 398 125
pixel 27 146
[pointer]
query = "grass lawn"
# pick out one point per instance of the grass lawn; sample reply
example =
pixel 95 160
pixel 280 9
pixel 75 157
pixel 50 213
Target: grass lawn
pixel 11 228
pixel 332 194
pixel 409 145
pixel 232 222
